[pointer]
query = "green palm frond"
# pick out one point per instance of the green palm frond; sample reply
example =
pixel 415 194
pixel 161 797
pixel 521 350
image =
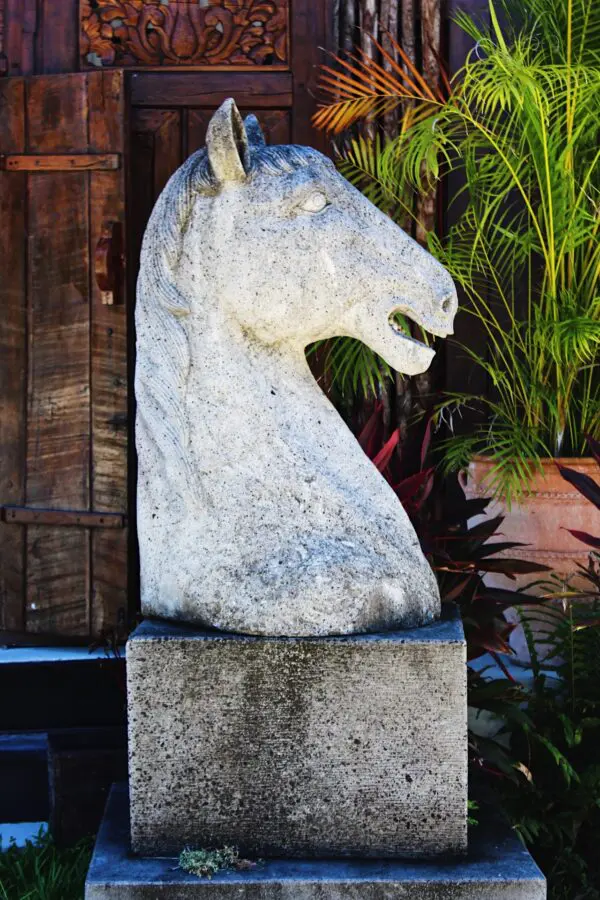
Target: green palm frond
pixel 520 126
pixel 353 368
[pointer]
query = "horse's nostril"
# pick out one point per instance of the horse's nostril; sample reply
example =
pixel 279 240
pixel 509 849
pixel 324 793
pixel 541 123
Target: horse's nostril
pixel 447 304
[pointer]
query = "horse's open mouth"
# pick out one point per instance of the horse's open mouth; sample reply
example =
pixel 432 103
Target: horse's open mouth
pixel 400 324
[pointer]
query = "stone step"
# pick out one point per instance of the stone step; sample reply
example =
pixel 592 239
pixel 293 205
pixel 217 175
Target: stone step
pixel 497 867
pixel 23 777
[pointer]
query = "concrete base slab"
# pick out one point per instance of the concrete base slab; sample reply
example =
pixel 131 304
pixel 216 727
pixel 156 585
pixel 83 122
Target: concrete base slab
pixel 343 746
pixel 497 867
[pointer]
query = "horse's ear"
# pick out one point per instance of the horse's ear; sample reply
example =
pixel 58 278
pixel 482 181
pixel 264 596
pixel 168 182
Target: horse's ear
pixel 253 131
pixel 227 144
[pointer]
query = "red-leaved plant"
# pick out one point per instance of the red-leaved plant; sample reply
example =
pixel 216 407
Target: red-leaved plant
pixel 461 555
pixel 589 488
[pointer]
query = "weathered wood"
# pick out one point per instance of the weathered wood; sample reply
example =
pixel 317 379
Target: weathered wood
pixel 109 263
pixel 57 114
pixel 209 89
pixel 13 353
pixel 156 149
pixel 20 26
pixel 109 390
pixel 210 33
pixel 74 450
pixel 58 445
pixel 57 42
pixel 14 162
pixel 72 457
pixel 311 26
pixel 26 515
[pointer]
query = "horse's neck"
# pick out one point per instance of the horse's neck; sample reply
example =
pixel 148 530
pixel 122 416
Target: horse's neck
pixel 252 399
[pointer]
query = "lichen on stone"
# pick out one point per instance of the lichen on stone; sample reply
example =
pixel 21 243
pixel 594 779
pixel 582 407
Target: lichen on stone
pixel 206 863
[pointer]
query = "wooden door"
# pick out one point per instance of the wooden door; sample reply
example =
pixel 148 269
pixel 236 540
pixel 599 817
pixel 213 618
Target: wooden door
pixel 71 152
pixel 63 354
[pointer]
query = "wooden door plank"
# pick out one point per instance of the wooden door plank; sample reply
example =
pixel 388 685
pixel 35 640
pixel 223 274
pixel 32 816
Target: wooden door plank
pixel 311 28
pixel 156 141
pixel 21 26
pixel 57 114
pixel 58 439
pixel 58 42
pixel 109 394
pixel 271 90
pixel 13 354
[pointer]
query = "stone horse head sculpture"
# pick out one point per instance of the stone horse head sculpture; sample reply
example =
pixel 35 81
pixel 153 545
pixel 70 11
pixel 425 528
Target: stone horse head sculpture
pixel 257 510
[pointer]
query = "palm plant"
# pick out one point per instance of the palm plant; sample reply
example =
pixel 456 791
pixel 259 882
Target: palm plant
pixel 521 123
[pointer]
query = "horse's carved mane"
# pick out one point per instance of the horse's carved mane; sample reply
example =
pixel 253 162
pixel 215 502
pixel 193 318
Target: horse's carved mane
pixel 162 309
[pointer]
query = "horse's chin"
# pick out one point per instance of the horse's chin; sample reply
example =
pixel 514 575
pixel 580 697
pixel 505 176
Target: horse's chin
pixel 400 350
pixel 407 355
pixel 381 330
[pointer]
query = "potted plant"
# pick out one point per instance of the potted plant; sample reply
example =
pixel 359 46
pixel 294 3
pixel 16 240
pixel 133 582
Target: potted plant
pixel 521 123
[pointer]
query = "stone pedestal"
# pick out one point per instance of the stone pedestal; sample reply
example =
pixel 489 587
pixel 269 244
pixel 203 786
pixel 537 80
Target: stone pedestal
pixel 497 867
pixel 298 747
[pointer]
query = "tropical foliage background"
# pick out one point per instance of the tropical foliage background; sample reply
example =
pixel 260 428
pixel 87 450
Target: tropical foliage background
pixel 512 141
pixel 520 124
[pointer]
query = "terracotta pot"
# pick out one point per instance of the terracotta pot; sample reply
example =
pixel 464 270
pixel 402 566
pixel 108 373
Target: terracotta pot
pixel 550 506
pixel 539 520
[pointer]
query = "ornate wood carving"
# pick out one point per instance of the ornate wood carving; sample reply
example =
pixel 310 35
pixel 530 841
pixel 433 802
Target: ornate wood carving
pixel 137 33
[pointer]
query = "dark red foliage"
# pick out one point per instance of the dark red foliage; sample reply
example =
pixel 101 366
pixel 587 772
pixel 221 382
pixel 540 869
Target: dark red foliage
pixel 588 488
pixel 460 552
pixel 583 483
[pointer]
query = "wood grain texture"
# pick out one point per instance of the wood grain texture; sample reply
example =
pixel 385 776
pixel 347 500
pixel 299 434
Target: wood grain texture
pixel 210 89
pixel 57 114
pixel 13 353
pixel 58 439
pixel 156 151
pixel 20 28
pixel 3 59
pixel 109 395
pixel 311 27
pixel 69 451
pixel 57 40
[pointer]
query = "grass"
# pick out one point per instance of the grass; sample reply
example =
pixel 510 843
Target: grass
pixel 42 871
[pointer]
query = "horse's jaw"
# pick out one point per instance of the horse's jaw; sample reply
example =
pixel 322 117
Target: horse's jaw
pixel 377 327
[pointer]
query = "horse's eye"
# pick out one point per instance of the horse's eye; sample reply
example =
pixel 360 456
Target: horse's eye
pixel 314 203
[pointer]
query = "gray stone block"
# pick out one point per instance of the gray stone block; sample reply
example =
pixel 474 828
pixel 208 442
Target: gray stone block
pixel 350 746
pixel 497 867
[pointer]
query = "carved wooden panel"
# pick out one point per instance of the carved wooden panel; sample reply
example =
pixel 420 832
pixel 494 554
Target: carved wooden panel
pixel 196 33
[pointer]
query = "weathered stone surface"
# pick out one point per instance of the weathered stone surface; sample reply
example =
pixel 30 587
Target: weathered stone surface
pixel 497 867
pixel 298 746
pixel 258 512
